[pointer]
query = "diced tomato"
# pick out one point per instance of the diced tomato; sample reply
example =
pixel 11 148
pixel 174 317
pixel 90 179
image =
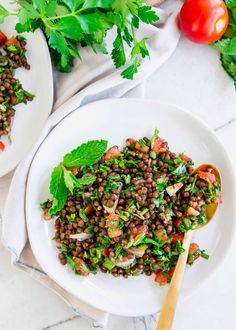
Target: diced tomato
pixel 89 209
pixel 207 175
pixel 13 100
pixel 140 230
pixel 113 152
pixel 81 267
pixel 178 223
pixel 142 148
pixel 193 254
pixel 177 237
pixel 114 232
pixel 185 158
pixel 112 220
pixel 192 211
pixel 162 234
pixel 3 38
pixel 105 252
pixel 161 278
pixel 171 272
pixel 193 248
pixel 158 146
pixel 2 146
pixel 12 41
pixel 131 142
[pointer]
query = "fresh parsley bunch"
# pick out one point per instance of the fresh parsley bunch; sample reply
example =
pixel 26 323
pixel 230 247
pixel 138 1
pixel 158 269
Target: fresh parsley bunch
pixel 227 45
pixel 69 22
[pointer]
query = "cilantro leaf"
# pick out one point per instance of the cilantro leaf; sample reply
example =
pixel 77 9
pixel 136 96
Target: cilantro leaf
pixel 230 3
pixel 229 65
pixel 226 46
pixel 86 154
pixel 58 42
pixel 58 190
pixel 118 52
pixel 147 14
pixel 72 4
pixel 88 4
pixel 3 14
pixel 70 28
pixel 131 70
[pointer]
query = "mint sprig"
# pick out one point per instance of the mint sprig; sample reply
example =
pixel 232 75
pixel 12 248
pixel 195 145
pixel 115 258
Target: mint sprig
pixel 86 154
pixel 64 182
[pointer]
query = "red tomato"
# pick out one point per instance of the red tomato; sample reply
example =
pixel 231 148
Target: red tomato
pixel 2 146
pixel 112 220
pixel 140 230
pixel 178 223
pixel 111 153
pixel 171 272
pixel 207 175
pixel 161 278
pixel 185 158
pixel 12 41
pixel 162 234
pixel 3 38
pixel 193 254
pixel 139 147
pixel 177 237
pixel 81 267
pixel 158 146
pixel 114 232
pixel 105 252
pixel 203 21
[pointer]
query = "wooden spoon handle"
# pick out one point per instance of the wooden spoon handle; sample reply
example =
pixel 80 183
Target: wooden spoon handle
pixel 168 310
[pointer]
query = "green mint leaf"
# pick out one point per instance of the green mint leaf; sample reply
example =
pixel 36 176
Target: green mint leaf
pixel 88 4
pixel 70 28
pixel 58 42
pixel 86 154
pixel 131 70
pixel 118 51
pixel 226 46
pixel 3 14
pixel 147 15
pixel 58 189
pixel 72 182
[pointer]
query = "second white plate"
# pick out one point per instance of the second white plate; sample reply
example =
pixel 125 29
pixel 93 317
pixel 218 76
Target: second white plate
pixel 29 118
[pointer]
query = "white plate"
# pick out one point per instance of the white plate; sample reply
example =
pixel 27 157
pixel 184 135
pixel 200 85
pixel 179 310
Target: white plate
pixel 116 120
pixel 29 118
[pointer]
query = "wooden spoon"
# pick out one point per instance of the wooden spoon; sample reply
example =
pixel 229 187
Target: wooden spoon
pixel 168 310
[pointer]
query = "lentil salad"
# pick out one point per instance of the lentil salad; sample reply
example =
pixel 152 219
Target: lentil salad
pixel 125 211
pixel 12 57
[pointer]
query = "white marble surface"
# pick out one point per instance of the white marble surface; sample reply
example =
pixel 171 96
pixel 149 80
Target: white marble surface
pixel 192 79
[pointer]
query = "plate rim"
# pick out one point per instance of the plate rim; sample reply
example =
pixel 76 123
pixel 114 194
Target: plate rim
pixel 38 33
pixel 230 164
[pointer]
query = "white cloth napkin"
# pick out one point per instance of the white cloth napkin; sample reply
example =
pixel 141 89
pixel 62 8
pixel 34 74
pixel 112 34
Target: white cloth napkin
pixel 93 79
